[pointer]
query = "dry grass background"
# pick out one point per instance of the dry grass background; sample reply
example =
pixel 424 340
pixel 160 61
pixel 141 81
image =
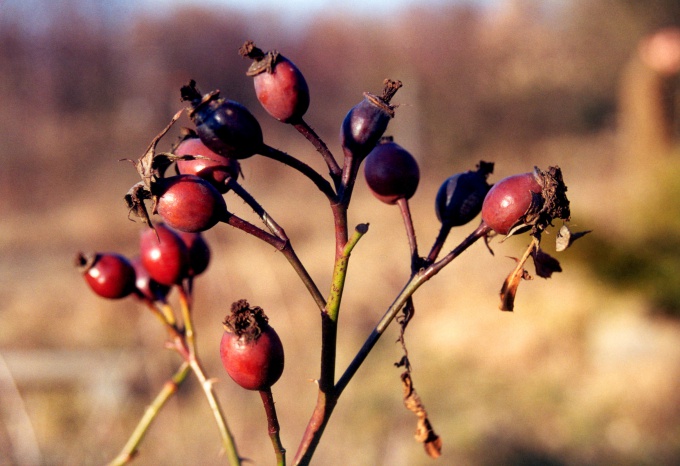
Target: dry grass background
pixel 580 373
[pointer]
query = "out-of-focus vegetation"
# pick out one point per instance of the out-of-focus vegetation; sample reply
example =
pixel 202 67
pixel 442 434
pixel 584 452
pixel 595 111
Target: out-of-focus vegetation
pixel 587 371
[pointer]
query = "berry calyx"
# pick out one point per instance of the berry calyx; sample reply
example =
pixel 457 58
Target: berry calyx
pixel 225 126
pixel 110 275
pixel 279 85
pixel 367 121
pixel 460 197
pixel 391 172
pixel 526 201
pixel 212 167
pixel 250 349
pixel 188 203
pixel 164 255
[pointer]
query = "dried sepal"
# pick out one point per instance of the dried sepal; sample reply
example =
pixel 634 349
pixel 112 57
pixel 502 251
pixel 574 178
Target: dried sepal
pixel 565 237
pixel 134 199
pixel 511 283
pixel 424 432
pixel 544 263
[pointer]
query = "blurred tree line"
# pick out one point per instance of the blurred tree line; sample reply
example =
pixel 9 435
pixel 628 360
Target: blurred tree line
pixel 86 82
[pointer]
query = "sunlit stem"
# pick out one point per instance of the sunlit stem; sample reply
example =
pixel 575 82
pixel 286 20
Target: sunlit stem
pixel 273 426
pixel 131 448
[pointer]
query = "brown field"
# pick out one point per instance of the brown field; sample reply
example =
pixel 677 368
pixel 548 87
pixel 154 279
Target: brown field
pixel 585 371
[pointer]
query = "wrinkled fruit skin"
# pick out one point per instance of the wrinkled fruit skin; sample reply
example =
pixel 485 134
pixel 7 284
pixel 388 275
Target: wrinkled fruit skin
pixel 227 128
pixel 147 287
pixel 167 260
pixel 391 172
pixel 188 203
pixel 283 93
pixel 109 275
pixel 199 252
pixel 460 198
pixel 255 364
pixel 216 169
pixel 508 201
pixel 364 125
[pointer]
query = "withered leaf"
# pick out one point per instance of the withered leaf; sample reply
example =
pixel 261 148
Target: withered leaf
pixel 510 285
pixel 565 237
pixel 545 263
pixel 424 431
pixel 145 164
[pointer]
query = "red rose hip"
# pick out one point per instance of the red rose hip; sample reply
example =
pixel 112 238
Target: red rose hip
pixel 250 349
pixel 212 167
pixel 509 201
pixel 109 275
pixel 164 255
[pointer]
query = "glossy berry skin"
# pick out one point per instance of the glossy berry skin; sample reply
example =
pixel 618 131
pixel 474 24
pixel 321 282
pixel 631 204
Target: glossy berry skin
pixel 146 287
pixel 109 275
pixel 199 252
pixel 216 169
pixel 226 127
pixel 365 124
pixel 391 172
pixel 281 88
pixel 253 364
pixel 460 197
pixel 188 203
pixel 509 200
pixel 164 255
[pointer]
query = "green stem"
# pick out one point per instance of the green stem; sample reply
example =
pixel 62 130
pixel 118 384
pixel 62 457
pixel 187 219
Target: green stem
pixel 273 426
pixel 131 448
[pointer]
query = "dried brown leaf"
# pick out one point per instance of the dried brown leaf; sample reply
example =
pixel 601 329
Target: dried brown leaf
pixel 424 432
pixel 545 264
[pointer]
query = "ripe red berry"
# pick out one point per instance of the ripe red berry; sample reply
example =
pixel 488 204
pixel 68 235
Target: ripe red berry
pixel 225 126
pixel 164 255
pixel 391 172
pixel 199 252
pixel 367 121
pixel 250 349
pixel 147 287
pixel 215 169
pixel 109 275
pixel 279 85
pixel 509 201
pixel 188 203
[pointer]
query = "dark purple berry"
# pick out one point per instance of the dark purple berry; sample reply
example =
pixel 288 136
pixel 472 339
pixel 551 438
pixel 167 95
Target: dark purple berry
pixel 391 172
pixel 460 197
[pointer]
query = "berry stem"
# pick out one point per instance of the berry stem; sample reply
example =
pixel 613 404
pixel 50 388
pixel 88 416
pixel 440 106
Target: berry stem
pixel 185 309
pixel 320 182
pixel 438 243
pixel 287 249
pixel 308 132
pixel 273 426
pixel 410 231
pixel 170 387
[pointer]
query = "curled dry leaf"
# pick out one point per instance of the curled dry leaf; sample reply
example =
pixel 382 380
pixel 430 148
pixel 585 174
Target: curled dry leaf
pixel 545 263
pixel 424 431
pixel 565 238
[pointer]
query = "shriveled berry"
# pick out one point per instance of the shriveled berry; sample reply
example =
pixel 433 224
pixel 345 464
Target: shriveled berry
pixel 279 85
pixel 509 201
pixel 460 197
pixel 367 121
pixel 110 275
pixel 188 203
pixel 250 349
pixel 391 172
pixel 164 255
pixel 210 166
pixel 225 126
pixel 199 252
pixel 147 287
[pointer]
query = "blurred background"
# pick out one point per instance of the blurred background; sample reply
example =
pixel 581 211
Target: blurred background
pixel 585 371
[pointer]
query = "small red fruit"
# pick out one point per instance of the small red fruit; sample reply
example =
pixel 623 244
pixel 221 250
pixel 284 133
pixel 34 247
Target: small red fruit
pixel 164 255
pixel 509 202
pixel 188 203
pixel 251 350
pixel 279 85
pixel 109 275
pixel 147 287
pixel 199 252
pixel 210 166
pixel 391 172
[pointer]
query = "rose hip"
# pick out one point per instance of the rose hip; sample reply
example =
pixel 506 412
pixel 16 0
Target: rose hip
pixel 509 201
pixel 164 255
pixel 212 167
pixel 110 275
pixel 391 172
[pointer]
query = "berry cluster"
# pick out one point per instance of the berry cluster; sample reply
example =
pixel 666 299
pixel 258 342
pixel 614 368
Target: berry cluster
pixel 207 161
